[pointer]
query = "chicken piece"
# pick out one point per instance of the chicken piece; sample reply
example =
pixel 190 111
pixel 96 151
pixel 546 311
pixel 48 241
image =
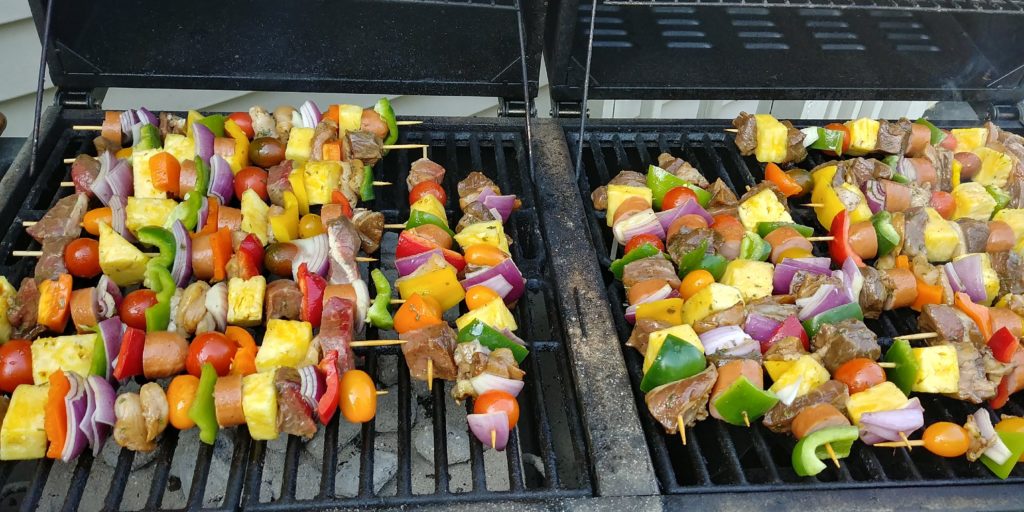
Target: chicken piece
pixel 154 409
pixel 283 120
pixel 130 427
pixel 640 336
pixel 263 124
pixel 171 123
pixel 191 316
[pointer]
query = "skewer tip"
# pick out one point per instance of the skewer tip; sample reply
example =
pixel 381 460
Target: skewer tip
pixel 430 374
pixel 813 205
pixel 731 130
pixel 886 364
pixel 820 238
pixel 918 336
pixel 746 419
pixel 903 436
pixel 832 454
pixel 494 439
pixel 682 428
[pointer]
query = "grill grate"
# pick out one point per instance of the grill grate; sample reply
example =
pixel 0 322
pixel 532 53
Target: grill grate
pixel 719 457
pixel 973 6
pixel 344 465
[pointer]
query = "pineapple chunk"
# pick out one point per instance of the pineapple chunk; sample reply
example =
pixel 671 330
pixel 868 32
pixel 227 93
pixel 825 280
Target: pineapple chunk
pixel 321 178
pixel 259 405
pixel 245 300
pixel 657 339
pixel 777 368
pixel 995 167
pixel 300 145
pixel 619 193
pixel 938 371
pixel 805 373
pixel 122 261
pixel 752 278
pixel 490 233
pixel 285 344
pixel 495 314
pixel 972 202
pixel 969 139
pixel 771 139
pixel 940 238
pixel 880 397
pixel 712 298
pixel 23 435
pixel 350 118
pixel 144 187
pixel 669 311
pixel 432 205
pixel 140 212
pixel 763 206
pixel 182 147
pixel 254 215
pixel 863 136
pixel 1014 217
pixel 7 293
pixel 68 353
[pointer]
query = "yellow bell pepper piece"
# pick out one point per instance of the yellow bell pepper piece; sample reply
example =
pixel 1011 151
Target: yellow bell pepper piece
pixel 777 368
pixel 825 195
pixel 657 339
pixel 669 311
pixel 490 233
pixel 240 159
pixel 957 169
pixel 863 136
pixel 297 178
pixel 300 145
pixel 432 205
pixel 880 397
pixel 805 373
pixel 285 225
pixel 192 117
pixel 619 193
pixel 441 284
pixel 771 139
pixel 495 314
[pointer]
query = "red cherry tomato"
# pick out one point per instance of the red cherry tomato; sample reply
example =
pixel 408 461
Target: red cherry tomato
pixel 133 308
pixel 677 197
pixel 82 257
pixel 639 240
pixel 498 401
pixel 251 178
pixel 847 138
pixel 15 364
pixel 244 121
pixel 949 142
pixel 943 203
pixel 210 347
pixel 860 374
pixel 427 188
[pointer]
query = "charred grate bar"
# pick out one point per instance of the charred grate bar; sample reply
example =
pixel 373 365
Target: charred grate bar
pixel 417 451
pixel 972 6
pixel 721 458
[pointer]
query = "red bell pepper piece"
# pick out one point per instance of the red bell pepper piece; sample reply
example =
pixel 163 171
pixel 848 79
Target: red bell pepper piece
pixel 976 312
pixel 338 198
pixel 312 287
pixel 129 358
pixel 410 244
pixel 789 327
pixel 250 256
pixel 839 246
pixel 328 403
pixel 1003 344
pixel 1002 393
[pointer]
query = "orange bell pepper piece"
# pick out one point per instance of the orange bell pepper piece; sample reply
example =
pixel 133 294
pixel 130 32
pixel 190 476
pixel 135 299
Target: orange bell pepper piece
pixel 338 198
pixel 124 153
pixel 220 241
pixel 417 312
pixel 332 114
pixel 55 420
pixel 787 185
pixel 926 294
pixel 976 312
pixel 211 222
pixel 902 261
pixel 166 172
pixel 245 357
pixel 332 150
pixel 55 303
pixel 484 255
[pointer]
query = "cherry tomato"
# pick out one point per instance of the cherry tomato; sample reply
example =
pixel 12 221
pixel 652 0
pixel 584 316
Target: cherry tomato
pixel 133 308
pixel 943 203
pixel 358 400
pixel 479 295
pixel 180 394
pixel 946 439
pixel 694 282
pixel 859 374
pixel 498 401
pixel 15 364
pixel 795 252
pixel 641 290
pixel 425 188
pixel 278 258
pixel 802 178
pixel 310 225
pixel 266 152
pixel 210 347
pixel 484 255
pixel 728 226
pixel 92 219
pixel 639 240
pixel 847 138
pixel 949 142
pixel 244 121
pixel 630 205
pixel 251 178
pixel 1011 424
pixel 677 197
pixel 82 257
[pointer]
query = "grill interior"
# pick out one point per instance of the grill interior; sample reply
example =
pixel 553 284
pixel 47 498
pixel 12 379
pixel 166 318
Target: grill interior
pixel 719 457
pixel 382 461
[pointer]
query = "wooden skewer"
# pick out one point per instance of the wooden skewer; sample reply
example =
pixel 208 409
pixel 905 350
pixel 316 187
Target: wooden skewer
pixel 36 254
pixel 364 259
pixel 813 205
pixel 682 428
pixel 93 127
pixel 746 419
pixel 899 444
pixel 832 454
pixel 918 336
pixel 884 364
pixel 376 343
pixel 69 184
pixel 820 238
pixel 408 123
pixel 381 392
pixel 907 441
pixel 394 226
pixel 732 130
pixel 430 374
pixel 398 301
pixel 494 439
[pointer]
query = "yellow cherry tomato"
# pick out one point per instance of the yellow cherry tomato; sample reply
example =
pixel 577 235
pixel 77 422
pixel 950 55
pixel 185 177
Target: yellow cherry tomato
pixel 310 226
pixel 484 255
pixel 1012 424
pixel 694 282
pixel 180 394
pixel 795 252
pixel 479 295
pixel 946 439
pixel 358 399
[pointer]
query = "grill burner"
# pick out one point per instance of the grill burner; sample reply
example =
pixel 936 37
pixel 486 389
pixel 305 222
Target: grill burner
pixel 721 458
pixel 546 457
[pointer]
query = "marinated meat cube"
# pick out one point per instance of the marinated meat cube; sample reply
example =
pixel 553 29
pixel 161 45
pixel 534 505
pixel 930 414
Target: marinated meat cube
pixel 654 267
pixel 294 415
pixel 746 133
pixel 721 195
pixel 642 330
pixel 1007 265
pixel 942 160
pixel 687 398
pixel 795 150
pixel 50 264
pixel 873 293
pixel 836 344
pixel 949 323
pixel 468 356
pixel 980 373
pixel 277 182
pixel 735 315
pixel 434 343
pixel 473 213
pixel 325 131
pixel 103 145
pixel 283 300
pixel 344 243
pixel 422 170
pixel 629 178
pixel 22 314
pixel 805 284
pixel 686 240
pixel 682 169
pixel 894 137
pixel 915 221
pixel 64 219
pixel 789 348
pixel 975 234
pixel 336 328
pixel 370 226
pixel 779 419
pixel 858 171
pixel 364 146
pixel 83 173
pixel 776 307
pixel 471 187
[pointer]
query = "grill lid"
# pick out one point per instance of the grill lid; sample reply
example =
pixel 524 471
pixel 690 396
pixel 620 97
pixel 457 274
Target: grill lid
pixel 788 49
pixel 438 47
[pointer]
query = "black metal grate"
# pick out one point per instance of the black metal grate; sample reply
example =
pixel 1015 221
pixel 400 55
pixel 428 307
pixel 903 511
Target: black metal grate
pixel 973 6
pixel 719 457
pixel 345 464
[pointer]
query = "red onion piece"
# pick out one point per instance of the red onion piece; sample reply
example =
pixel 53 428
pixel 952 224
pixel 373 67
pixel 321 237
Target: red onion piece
pixel 969 268
pixel 111 330
pixel 103 418
pixel 409 264
pixel 128 119
pixel 222 180
pixel 722 338
pixel 90 410
pixel 204 212
pixel 851 278
pixel 874 193
pixel 481 425
pixel 119 218
pixel 785 271
pixel 311 115
pixel 502 204
pixel 314 252
pixel 204 141
pixel 313 386
pixel 108 298
pixel 507 272
pixel 760 327
pixel 953 278
pixel 881 426
pixel 181 270
pixel 147 117
pixel 667 217
pixel 824 299
pixel 640 223
pixel 75 402
pixel 997 450
pixel 485 382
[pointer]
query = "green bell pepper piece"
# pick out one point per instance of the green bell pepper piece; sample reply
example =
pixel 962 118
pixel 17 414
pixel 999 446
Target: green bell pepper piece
pixel 810 451
pixel 937 134
pixel 892 161
pixel 714 263
pixel 832 316
pixel 743 402
pixel 99 358
pixel 163 240
pixel 677 360
pixel 660 182
pixel 753 247
pixel 202 177
pixel 158 316
pixel 1002 198
pixel 644 251
pixel 420 217
pixel 1014 441
pixel 215 123
pixel 905 373
pixel 691 260
pixel 703 196
pixel 491 338
pixel 378 314
pixel 888 237
pixel 383 108
pixel 764 228
pixel 366 192
pixel 187 211
pixel 831 140
pixel 202 411
pixel 899 178
pixel 149 138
